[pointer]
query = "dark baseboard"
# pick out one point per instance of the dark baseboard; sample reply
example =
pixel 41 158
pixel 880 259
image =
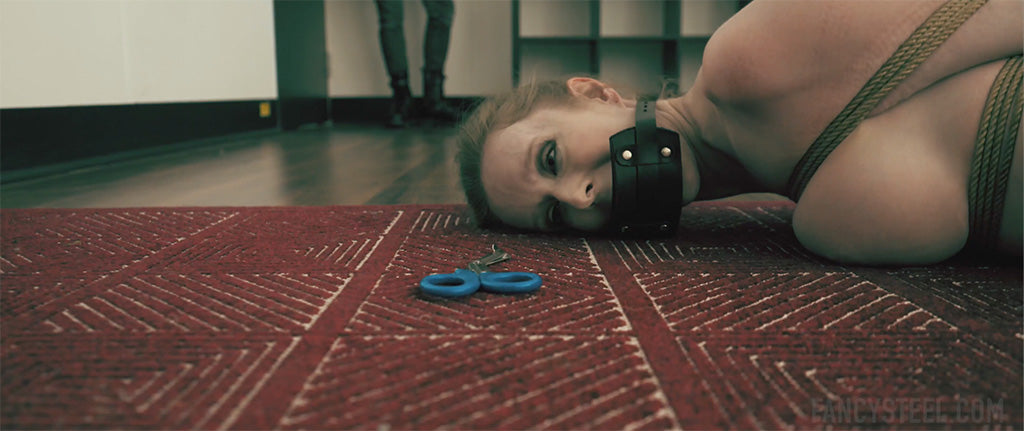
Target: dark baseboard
pixel 35 137
pixel 41 141
pixel 297 112
pixel 374 110
pixel 359 110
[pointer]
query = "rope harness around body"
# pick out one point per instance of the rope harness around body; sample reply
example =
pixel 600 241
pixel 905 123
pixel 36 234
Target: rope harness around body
pixel 993 155
pixel 997 134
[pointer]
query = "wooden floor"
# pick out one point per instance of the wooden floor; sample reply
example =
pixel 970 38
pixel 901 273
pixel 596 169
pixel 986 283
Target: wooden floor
pixel 329 165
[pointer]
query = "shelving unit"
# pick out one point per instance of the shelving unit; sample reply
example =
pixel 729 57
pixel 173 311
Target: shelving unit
pixel 628 43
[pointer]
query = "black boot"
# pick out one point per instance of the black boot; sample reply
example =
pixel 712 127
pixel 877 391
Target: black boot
pixel 434 105
pixel 400 101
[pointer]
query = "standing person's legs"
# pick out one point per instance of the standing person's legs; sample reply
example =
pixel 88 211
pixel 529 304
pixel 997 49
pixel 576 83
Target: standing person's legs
pixel 435 52
pixel 439 26
pixel 391 17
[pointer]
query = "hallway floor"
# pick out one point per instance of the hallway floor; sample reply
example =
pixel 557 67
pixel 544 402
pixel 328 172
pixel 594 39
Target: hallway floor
pixel 329 165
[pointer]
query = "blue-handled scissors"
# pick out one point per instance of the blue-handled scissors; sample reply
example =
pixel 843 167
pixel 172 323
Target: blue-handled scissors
pixel 464 282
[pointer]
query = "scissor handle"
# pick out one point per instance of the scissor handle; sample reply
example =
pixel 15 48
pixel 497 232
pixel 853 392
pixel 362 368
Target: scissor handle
pixel 510 282
pixel 462 282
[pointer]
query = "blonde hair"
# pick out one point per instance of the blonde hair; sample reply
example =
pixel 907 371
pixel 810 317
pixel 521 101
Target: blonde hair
pixel 493 114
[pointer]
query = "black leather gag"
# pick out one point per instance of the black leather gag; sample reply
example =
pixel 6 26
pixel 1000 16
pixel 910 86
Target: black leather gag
pixel 647 177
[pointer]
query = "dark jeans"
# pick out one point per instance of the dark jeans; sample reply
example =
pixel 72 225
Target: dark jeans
pixel 435 43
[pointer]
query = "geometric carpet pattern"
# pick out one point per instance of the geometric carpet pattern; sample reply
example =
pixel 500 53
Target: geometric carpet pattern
pixel 311 318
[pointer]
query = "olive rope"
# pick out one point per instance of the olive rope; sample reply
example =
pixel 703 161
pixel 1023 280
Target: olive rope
pixel 914 50
pixel 993 154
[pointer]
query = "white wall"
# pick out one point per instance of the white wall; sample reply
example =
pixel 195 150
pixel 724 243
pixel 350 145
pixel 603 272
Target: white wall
pixel 103 52
pixel 108 52
pixel 479 54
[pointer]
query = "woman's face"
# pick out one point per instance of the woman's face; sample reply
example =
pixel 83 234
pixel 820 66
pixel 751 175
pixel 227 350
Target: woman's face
pixel 552 169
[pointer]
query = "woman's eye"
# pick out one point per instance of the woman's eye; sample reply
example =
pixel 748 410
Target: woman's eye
pixel 550 158
pixel 554 215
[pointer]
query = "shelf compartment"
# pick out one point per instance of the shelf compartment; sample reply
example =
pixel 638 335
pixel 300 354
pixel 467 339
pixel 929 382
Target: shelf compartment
pixel 637 66
pixel 701 18
pixel 631 18
pixel 555 60
pixel 555 18
pixel 691 56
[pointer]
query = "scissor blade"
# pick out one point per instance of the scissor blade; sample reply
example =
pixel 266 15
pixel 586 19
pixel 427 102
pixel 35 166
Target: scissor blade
pixel 481 264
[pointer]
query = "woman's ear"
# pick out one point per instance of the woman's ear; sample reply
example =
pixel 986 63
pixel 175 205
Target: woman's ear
pixel 593 89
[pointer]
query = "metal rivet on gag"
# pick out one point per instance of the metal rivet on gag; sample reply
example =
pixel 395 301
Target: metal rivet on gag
pixel 666 151
pixel 626 155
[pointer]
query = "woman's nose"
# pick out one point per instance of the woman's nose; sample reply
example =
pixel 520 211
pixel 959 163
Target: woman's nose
pixel 579 195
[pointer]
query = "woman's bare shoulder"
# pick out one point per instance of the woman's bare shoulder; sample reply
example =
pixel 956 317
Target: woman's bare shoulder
pixel 773 47
pixel 777 47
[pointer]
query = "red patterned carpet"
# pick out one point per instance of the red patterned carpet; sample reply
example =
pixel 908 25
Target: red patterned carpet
pixel 282 318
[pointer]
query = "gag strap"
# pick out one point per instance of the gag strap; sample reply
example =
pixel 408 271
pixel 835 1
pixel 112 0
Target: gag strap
pixel 647 177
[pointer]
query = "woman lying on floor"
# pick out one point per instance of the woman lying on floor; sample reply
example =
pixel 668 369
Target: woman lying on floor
pixel 925 160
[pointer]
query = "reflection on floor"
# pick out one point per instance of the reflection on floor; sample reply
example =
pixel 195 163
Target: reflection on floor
pixel 330 165
pixel 339 165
